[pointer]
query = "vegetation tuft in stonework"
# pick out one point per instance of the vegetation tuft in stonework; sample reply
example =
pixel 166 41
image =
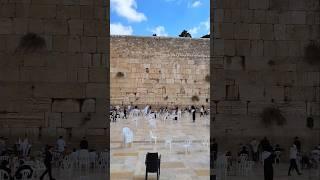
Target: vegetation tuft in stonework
pixel 31 42
pixel 207 78
pixel 120 75
pixel 195 98
pixel 271 115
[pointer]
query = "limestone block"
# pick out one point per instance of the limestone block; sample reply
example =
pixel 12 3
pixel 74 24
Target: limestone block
pixel 65 105
pixel 98 90
pixel 227 30
pixel 257 48
pixel 90 28
pixel 87 12
pixel 88 105
pixel 254 31
pixel 6 26
pixel 241 31
pixel 102 45
pixel 272 17
pixel 60 43
pixel 269 48
pixel 75 26
pixel 42 11
pixel 68 12
pixel 267 32
pixel 56 27
pixel 280 32
pixel 60 90
pixel 74 44
pixel 243 47
pixel 23 120
pixel 89 44
pixel 218 47
pixel 9 74
pixel 297 32
pixel 97 74
pixel 219 15
pixel 259 16
pixel 96 132
pixel 83 75
pixel 15 89
pixel 258 4
pixel 247 16
pixel 22 10
pixel 53 120
pixel 7 10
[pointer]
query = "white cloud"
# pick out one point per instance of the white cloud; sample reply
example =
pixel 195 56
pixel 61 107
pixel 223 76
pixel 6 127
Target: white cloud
pixel 128 10
pixel 119 29
pixel 203 27
pixel 196 4
pixel 160 31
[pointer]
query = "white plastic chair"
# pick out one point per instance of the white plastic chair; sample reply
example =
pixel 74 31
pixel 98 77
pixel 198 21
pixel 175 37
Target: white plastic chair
pixel 127 136
pixel 187 145
pixel 152 123
pixel 205 143
pixel 152 136
pixel 168 142
pixel 84 159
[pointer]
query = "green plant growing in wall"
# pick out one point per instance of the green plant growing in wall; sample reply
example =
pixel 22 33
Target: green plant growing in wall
pixel 31 42
pixel 271 63
pixel 272 115
pixel 195 98
pixel 166 98
pixel 120 75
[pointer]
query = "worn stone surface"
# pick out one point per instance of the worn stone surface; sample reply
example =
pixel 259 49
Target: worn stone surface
pixel 267 68
pixel 39 90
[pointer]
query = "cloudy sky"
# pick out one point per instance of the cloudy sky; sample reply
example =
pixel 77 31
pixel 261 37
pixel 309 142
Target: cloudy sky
pixel 161 17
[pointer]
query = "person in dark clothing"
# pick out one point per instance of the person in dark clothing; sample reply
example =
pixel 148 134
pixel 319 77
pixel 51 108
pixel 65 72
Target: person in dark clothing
pixel 264 144
pixel 298 144
pixel 268 159
pixel 124 113
pixel 22 167
pixel 47 163
pixel 84 143
pixel 214 149
pixel 4 167
pixel 243 151
pixel 193 111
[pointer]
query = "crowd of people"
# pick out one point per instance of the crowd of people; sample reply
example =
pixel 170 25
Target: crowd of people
pixel 269 154
pixel 16 159
pixel 117 112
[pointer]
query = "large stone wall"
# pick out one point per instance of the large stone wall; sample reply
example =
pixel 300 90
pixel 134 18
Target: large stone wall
pixel 259 60
pixel 61 89
pixel 159 71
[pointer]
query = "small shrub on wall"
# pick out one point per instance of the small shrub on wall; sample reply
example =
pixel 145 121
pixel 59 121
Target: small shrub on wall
pixel 207 78
pixel 31 42
pixel 195 98
pixel 271 115
pixel 120 75
pixel 312 53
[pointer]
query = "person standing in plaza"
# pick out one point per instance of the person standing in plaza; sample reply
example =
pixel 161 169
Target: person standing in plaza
pixel 193 111
pixel 268 159
pixel 293 159
pixel 61 144
pixel 254 144
pixel 47 163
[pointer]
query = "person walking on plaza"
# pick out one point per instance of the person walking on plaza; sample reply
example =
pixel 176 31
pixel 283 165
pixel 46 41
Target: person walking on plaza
pixel 298 144
pixel 202 111
pixel 293 159
pixel 47 163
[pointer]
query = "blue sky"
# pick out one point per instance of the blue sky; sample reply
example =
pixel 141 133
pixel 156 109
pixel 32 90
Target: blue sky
pixel 161 17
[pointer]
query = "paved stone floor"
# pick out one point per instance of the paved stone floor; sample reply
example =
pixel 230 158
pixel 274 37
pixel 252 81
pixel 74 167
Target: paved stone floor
pixel 128 162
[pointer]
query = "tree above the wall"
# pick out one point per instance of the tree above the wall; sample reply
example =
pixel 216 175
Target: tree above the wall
pixel 185 33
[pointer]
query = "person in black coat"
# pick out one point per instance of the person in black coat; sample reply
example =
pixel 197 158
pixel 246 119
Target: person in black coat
pixel 47 163
pixel 268 159
pixel 193 111
pixel 22 167
pixel 84 143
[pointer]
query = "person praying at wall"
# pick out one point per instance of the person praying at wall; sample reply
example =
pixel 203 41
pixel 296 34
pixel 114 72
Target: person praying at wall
pixel 268 159
pixel 293 160
pixel 254 144
pixel 202 111
pixel 298 144
pixel 193 111
pixel 84 143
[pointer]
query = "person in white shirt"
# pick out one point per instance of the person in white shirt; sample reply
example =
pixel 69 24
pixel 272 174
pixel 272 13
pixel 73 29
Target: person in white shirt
pixel 293 159
pixel 25 147
pixel 61 144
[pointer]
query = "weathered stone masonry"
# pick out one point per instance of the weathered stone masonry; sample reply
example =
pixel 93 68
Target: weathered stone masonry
pixel 259 60
pixel 159 70
pixel 61 90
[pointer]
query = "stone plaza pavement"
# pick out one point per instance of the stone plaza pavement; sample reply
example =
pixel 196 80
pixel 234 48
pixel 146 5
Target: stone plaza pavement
pixel 128 162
